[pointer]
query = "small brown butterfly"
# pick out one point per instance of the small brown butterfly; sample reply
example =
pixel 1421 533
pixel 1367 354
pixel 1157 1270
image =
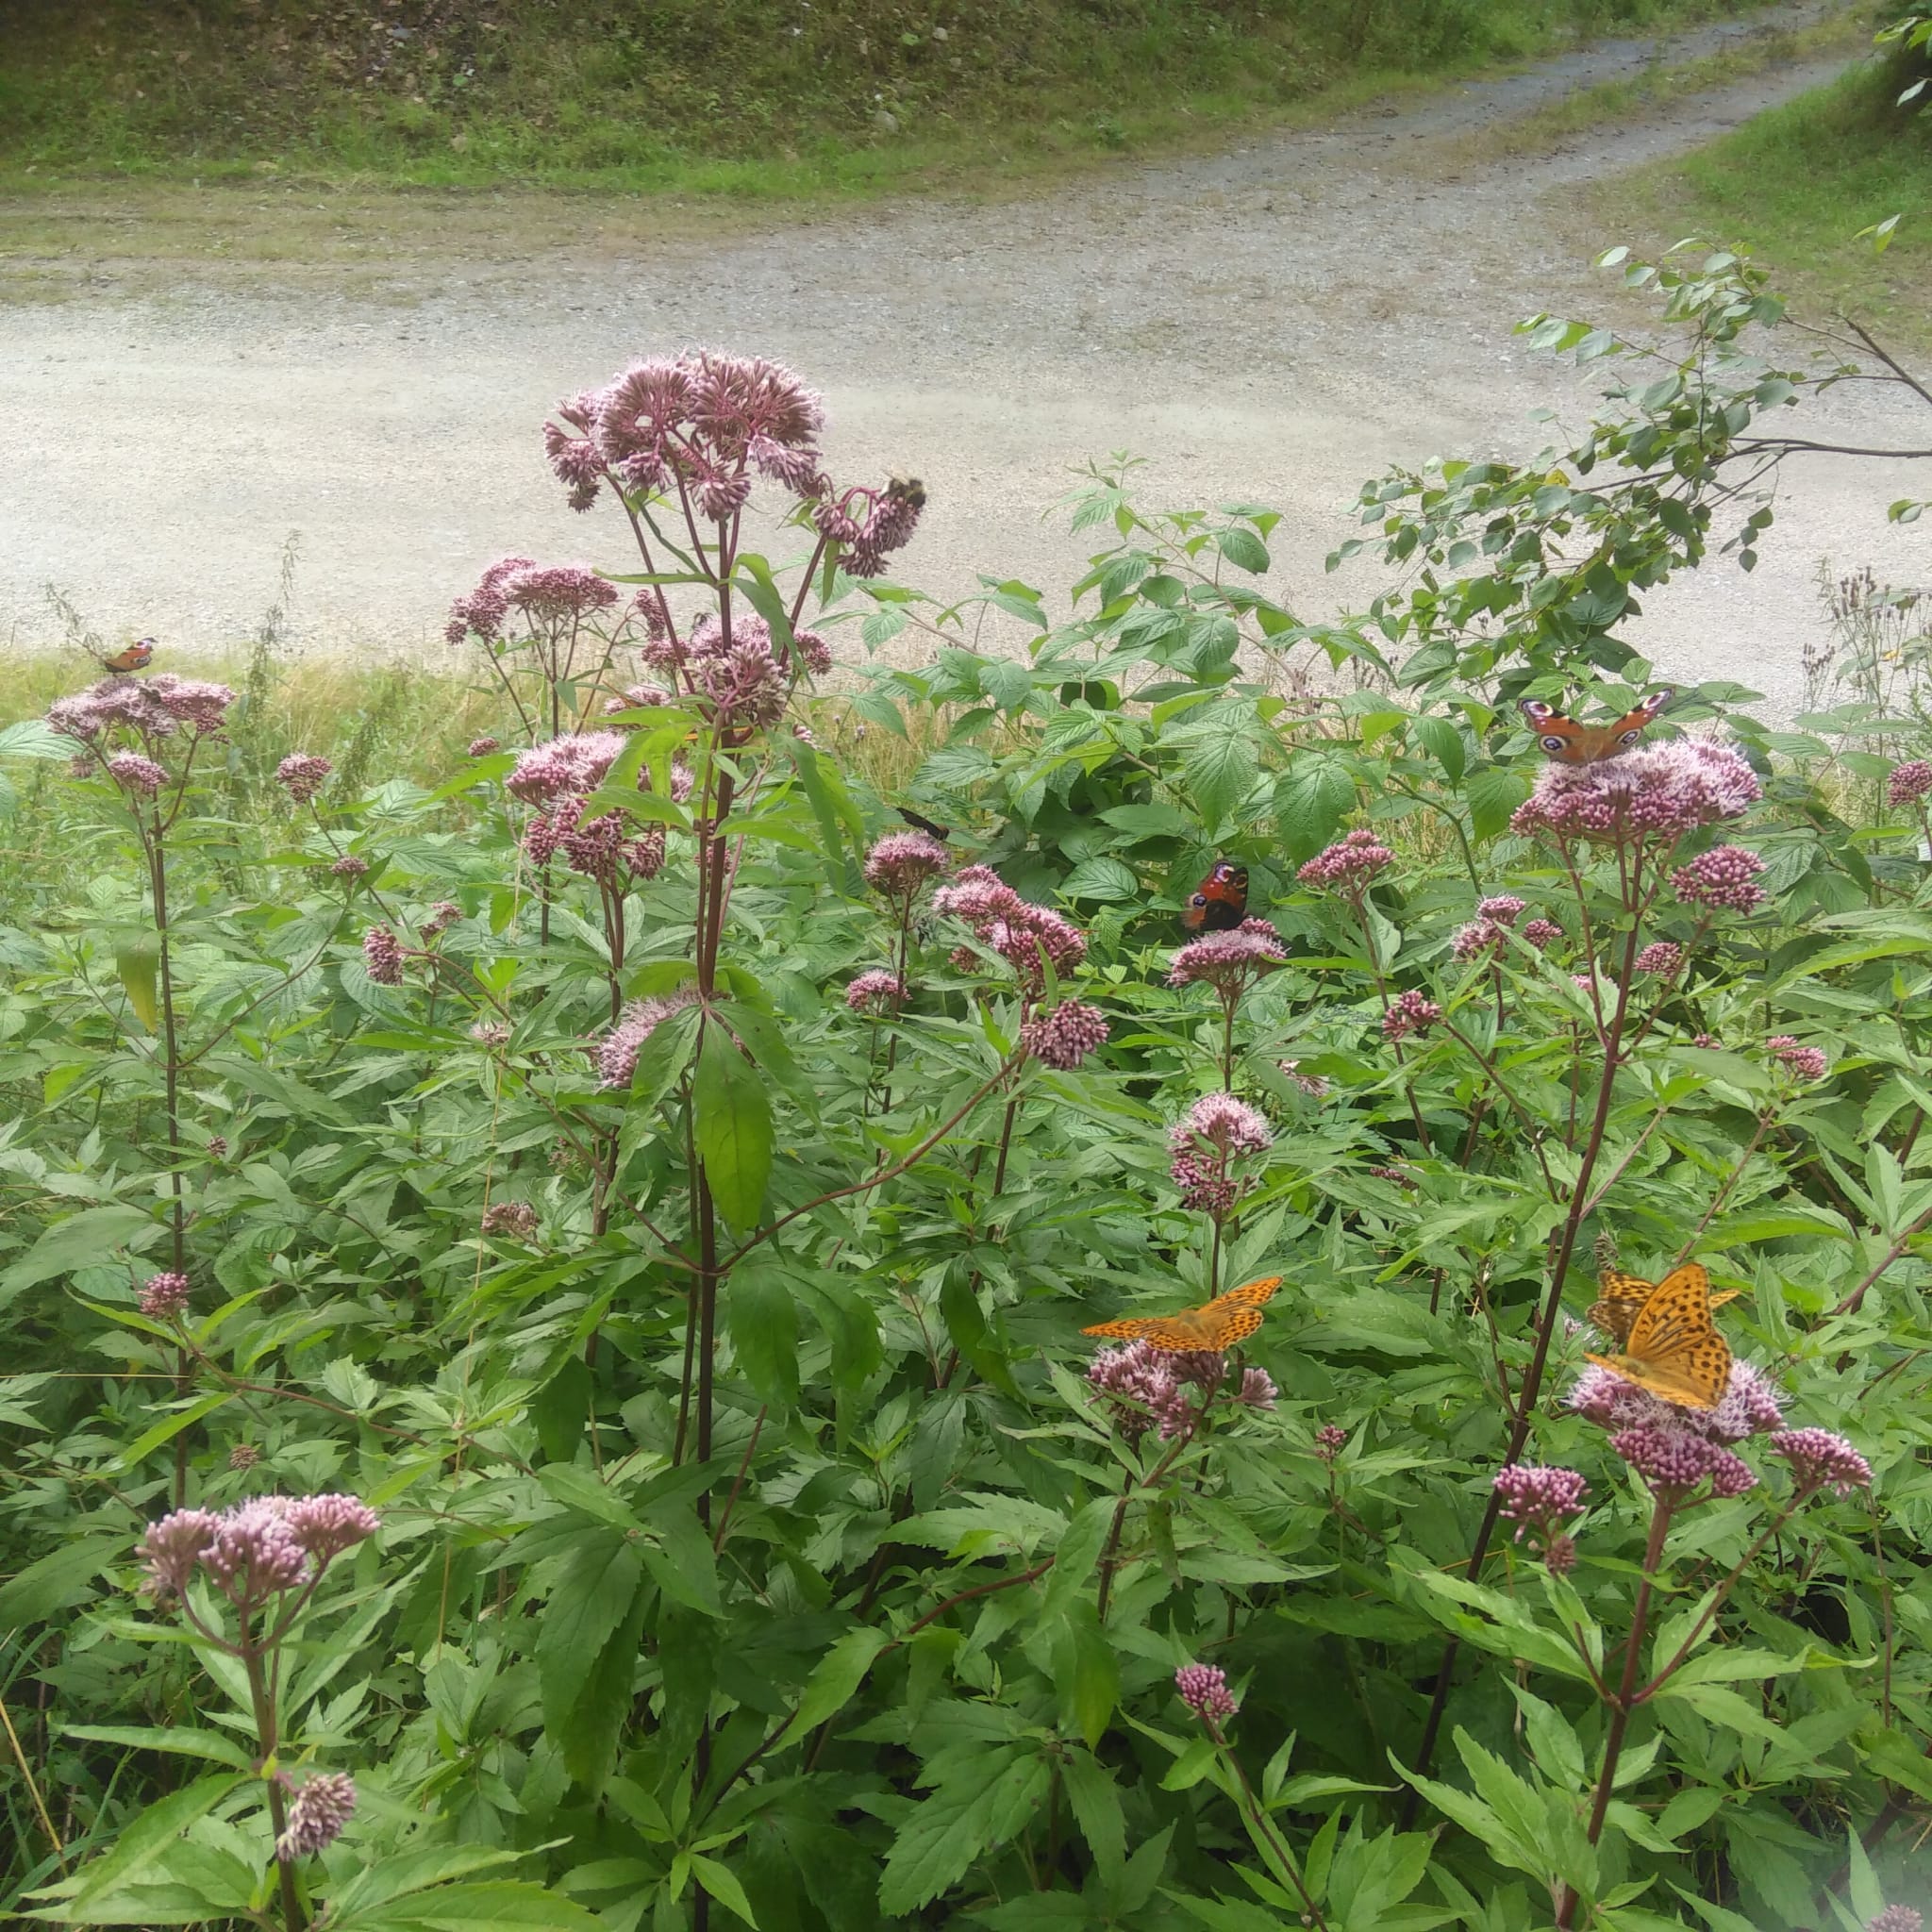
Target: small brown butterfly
pixel 1220 1323
pixel 1621 1299
pixel 1570 743
pixel 137 657
pixel 1673 1349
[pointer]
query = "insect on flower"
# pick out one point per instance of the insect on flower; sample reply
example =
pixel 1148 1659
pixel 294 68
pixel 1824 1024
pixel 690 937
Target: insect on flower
pixel 1220 1323
pixel 1671 1346
pixel 1220 902
pixel 137 657
pixel 1570 743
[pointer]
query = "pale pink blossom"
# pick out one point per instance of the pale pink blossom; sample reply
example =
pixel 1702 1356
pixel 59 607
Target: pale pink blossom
pixel 1066 1036
pixel 1724 878
pixel 1655 793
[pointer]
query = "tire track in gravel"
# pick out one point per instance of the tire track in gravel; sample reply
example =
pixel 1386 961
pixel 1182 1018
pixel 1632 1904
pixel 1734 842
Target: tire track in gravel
pixel 1274 323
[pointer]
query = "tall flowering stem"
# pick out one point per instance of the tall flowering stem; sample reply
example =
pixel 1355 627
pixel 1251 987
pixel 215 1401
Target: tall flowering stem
pixel 142 735
pixel 1203 1688
pixel 1635 809
pixel 680 443
pixel 265 1558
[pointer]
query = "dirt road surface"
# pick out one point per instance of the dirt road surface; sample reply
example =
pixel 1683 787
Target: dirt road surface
pixel 1272 324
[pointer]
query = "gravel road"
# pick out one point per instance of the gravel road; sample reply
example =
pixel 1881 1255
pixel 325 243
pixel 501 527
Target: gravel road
pixel 1272 324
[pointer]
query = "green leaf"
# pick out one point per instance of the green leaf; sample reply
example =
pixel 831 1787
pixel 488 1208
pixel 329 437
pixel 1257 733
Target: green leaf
pixel 59 1580
pixel 141 1843
pixel 1311 801
pixel 763 1320
pixel 1443 742
pixel 943 1835
pixel 183 1741
pixel 1494 792
pixel 588 1735
pixel 1219 763
pixel 1096 1804
pixel 722 1886
pixel 734 1129
pixel 1105 879
pixel 81 1241
pixel 168 1428
pixel 1242 549
pixel 138 966
pixel 590 1599
pixel 498 1905
pixel 1078 1552
pixel 834 1679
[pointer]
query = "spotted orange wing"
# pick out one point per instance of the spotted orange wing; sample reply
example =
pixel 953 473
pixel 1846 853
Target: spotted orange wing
pixel 1570 743
pixel 1620 1301
pixel 137 657
pixel 1673 1349
pixel 1220 1323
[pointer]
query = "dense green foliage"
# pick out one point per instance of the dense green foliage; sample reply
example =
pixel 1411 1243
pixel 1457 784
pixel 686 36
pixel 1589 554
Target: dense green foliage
pixel 775 96
pixel 755 1540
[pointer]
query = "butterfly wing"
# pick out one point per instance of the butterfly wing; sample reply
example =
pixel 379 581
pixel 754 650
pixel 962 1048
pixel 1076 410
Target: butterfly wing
pixel 1618 1305
pixel 924 825
pixel 1217 1324
pixel 1673 1349
pixel 1220 902
pixel 1570 743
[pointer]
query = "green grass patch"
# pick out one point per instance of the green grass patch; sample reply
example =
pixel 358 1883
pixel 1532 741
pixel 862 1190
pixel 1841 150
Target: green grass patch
pixel 757 99
pixel 1795 185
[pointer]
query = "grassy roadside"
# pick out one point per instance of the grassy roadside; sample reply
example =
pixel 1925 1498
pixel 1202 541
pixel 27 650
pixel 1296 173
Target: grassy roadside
pixel 1795 185
pixel 757 100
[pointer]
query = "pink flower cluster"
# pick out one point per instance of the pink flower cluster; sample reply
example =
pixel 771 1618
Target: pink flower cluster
pixel 1215 1132
pixel 316 1813
pixel 256 1549
pixel 748 676
pixel 1203 1688
pixel 1536 1498
pixel 876 991
pixel 163 1296
pixel 517 1219
pixel 1674 1462
pixel 1821 1460
pixel 1230 962
pixel 1028 938
pixel 151 708
pixel 1542 933
pixel 351 865
pixel 1066 1036
pixel 700 421
pixel 1656 792
pixel 558 777
pixel 1724 878
pixel 1411 1012
pixel 1348 865
pixel 1802 1062
pixel 300 774
pixel 1329 1441
pixel 1664 958
pixel 571 765
pixel 1749 1405
pixel 133 772
pixel 871 523
pixel 1897 1919
pixel 550 596
pixel 1143 1388
pixel 901 863
pixel 382 955
pixel 1679 1450
pixel 617 1052
pixel 1495 917
pixel 1909 783
pixel 482 747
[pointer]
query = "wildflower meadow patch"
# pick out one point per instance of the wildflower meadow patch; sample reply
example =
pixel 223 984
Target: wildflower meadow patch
pixel 1288 1288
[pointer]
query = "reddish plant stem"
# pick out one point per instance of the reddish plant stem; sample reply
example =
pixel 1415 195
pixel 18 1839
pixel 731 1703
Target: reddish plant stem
pixel 1259 1819
pixel 1625 1699
pixel 1546 1328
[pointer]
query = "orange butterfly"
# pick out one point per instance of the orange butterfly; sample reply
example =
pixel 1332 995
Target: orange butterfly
pixel 1617 1307
pixel 1220 1323
pixel 1570 743
pixel 137 657
pixel 1673 1348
